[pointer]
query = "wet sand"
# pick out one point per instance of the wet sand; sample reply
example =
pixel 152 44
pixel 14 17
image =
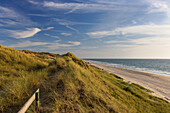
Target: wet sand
pixel 159 84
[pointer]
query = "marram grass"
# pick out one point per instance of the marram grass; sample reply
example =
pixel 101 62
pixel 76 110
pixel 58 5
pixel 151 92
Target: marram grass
pixel 67 84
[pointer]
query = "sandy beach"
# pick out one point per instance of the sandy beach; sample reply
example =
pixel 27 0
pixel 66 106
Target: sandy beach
pixel 159 84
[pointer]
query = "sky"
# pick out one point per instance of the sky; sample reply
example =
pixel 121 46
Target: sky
pixel 88 28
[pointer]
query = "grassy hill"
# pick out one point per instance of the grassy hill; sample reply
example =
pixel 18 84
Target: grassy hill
pixel 68 84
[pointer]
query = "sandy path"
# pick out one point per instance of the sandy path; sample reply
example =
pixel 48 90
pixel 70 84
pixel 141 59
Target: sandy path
pixel 158 83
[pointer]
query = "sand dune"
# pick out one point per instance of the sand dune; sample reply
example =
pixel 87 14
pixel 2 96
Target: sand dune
pixel 159 84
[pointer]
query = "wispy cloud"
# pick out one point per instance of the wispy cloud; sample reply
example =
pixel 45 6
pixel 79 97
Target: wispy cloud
pixel 88 47
pixel 89 6
pixel 157 42
pixel 57 45
pixel 69 27
pixel 9 17
pixel 51 36
pixel 74 43
pixel 45 45
pixel 28 44
pixel 67 24
pixel 159 7
pixel 156 30
pixel 134 22
pixel 71 22
pixel 86 7
pixel 8 22
pixel 48 28
pixel 40 15
pixel 66 34
pixel 24 33
pixel 33 2
pixel 6 12
pixel 115 41
pixel 148 47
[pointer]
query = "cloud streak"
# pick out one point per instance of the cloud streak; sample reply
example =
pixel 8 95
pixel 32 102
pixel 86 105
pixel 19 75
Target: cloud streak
pixel 9 17
pixel 148 47
pixel 57 45
pixel 24 33
pixel 157 41
pixel 48 28
pixel 33 2
pixel 67 24
pixel 66 34
pixel 154 30
pixel 159 7
pixel 51 36
pixel 6 12
pixel 74 43
pixel 79 6
pixel 46 45
pixel 28 44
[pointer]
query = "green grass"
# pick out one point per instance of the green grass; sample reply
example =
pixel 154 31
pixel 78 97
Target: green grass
pixel 20 75
pixel 68 84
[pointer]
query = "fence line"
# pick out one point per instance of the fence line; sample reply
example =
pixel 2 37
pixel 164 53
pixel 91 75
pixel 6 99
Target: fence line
pixel 35 96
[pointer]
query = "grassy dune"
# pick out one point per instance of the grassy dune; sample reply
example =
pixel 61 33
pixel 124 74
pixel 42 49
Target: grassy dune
pixel 68 84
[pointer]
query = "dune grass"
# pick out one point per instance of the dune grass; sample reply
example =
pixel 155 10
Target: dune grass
pixel 68 84
pixel 20 75
pixel 78 87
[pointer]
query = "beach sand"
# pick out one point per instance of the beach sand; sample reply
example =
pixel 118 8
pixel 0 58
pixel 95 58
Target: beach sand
pixel 159 84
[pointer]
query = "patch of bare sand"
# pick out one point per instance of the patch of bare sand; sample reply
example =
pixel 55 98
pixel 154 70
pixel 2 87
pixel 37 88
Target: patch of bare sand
pixel 159 84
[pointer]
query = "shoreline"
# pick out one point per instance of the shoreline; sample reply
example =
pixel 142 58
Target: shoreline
pixel 159 84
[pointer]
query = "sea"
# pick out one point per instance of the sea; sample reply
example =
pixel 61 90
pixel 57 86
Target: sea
pixel 156 66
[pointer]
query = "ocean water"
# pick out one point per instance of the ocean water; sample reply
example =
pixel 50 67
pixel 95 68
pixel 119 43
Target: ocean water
pixel 157 66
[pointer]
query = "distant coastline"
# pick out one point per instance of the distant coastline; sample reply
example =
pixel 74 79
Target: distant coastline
pixel 159 84
pixel 156 66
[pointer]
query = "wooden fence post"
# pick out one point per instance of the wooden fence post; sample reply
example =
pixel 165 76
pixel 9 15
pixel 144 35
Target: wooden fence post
pixel 37 99
pixel 35 96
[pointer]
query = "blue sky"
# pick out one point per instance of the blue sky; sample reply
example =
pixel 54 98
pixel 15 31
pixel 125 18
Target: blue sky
pixel 88 28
